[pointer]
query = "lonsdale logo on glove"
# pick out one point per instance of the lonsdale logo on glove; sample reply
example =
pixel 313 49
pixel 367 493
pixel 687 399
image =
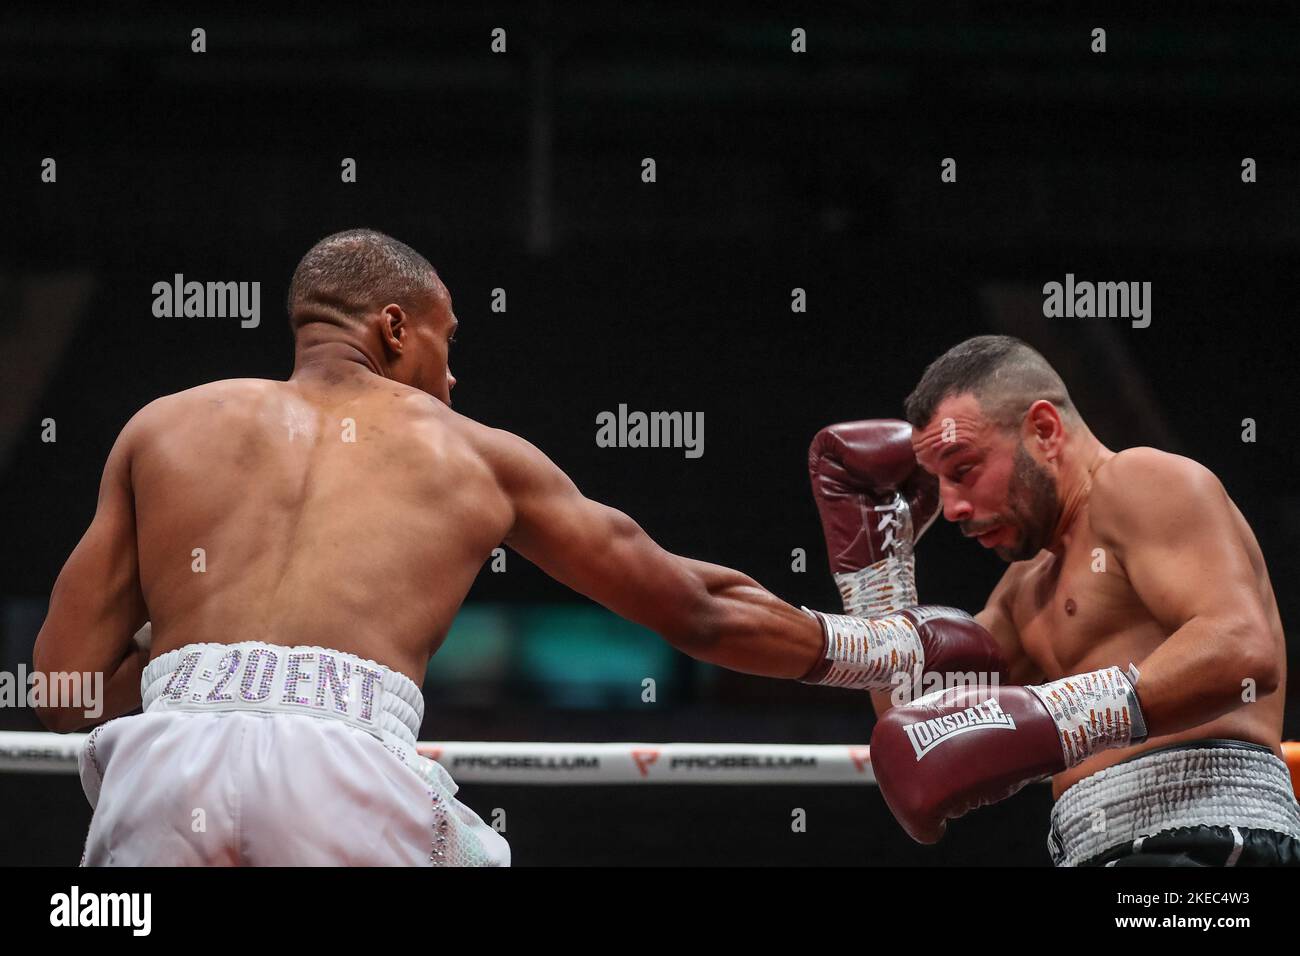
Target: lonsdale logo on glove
pixel 925 735
pixel 1053 726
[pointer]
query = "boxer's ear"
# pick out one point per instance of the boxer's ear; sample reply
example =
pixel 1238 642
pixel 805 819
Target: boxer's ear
pixel 393 328
pixel 1045 427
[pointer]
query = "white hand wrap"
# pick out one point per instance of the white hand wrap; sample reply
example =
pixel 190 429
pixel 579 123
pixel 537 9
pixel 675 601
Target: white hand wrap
pixel 1094 711
pixel 867 654
pixel 887 585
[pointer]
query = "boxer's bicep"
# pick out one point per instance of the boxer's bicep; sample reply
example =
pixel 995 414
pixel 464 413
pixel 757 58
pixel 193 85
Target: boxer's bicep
pixel 596 550
pixel 96 604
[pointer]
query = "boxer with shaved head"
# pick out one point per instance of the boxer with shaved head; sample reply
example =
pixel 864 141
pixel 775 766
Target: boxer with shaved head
pixel 1138 624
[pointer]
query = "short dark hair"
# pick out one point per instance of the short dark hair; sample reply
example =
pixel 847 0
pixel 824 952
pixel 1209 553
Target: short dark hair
pixel 1004 374
pixel 356 271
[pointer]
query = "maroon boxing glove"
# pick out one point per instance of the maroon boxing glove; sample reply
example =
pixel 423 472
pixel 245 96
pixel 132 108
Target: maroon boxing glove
pixel 955 750
pixel 889 652
pixel 875 502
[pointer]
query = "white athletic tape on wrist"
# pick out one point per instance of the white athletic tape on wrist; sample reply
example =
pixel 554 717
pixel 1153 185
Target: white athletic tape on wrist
pixel 867 654
pixel 1093 711
pixel 887 585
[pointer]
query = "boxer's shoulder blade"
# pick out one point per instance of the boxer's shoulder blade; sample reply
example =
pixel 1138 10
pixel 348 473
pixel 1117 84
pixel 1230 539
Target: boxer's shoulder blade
pixel 345 517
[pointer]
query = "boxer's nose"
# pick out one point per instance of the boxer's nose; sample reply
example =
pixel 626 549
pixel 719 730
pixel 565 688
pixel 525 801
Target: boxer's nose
pixel 955 508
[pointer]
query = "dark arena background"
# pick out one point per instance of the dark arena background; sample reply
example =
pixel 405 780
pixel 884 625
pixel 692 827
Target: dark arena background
pixel 521 175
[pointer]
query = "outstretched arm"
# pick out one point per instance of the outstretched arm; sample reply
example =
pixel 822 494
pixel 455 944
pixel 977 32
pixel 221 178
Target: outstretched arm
pixel 710 612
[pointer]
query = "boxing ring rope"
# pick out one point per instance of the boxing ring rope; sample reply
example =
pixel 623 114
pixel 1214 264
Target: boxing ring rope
pixel 556 763
pixel 568 764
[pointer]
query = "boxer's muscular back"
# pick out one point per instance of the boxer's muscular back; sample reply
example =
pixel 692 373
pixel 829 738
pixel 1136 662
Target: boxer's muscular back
pixel 353 515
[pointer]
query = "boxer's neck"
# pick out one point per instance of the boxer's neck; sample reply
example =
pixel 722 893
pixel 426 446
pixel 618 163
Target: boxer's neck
pixel 332 359
pixel 1082 456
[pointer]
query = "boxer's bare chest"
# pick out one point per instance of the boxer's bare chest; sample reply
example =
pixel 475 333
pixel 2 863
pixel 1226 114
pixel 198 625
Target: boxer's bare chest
pixel 1078 608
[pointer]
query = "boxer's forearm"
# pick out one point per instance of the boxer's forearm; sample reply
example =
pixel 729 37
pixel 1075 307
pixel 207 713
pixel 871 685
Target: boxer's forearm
pixel 1205 669
pixel 122 688
pixel 107 695
pixel 744 627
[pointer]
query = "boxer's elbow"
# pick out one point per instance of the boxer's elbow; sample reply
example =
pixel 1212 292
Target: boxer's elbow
pixel 51 706
pixel 1270 681
pixel 1260 672
pixel 60 720
pixel 47 671
pixel 1253 661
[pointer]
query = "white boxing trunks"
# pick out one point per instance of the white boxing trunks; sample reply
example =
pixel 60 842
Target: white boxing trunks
pixel 255 754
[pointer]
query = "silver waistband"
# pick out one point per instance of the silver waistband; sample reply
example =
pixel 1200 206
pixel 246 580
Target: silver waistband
pixel 270 678
pixel 1199 786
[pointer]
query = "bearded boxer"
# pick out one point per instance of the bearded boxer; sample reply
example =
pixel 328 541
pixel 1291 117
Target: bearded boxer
pixel 301 548
pixel 1136 616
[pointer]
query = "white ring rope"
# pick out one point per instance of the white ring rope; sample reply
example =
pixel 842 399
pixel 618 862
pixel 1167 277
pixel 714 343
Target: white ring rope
pixel 575 764
pixel 556 763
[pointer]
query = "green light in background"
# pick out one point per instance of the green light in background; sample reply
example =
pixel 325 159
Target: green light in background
pixel 575 656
